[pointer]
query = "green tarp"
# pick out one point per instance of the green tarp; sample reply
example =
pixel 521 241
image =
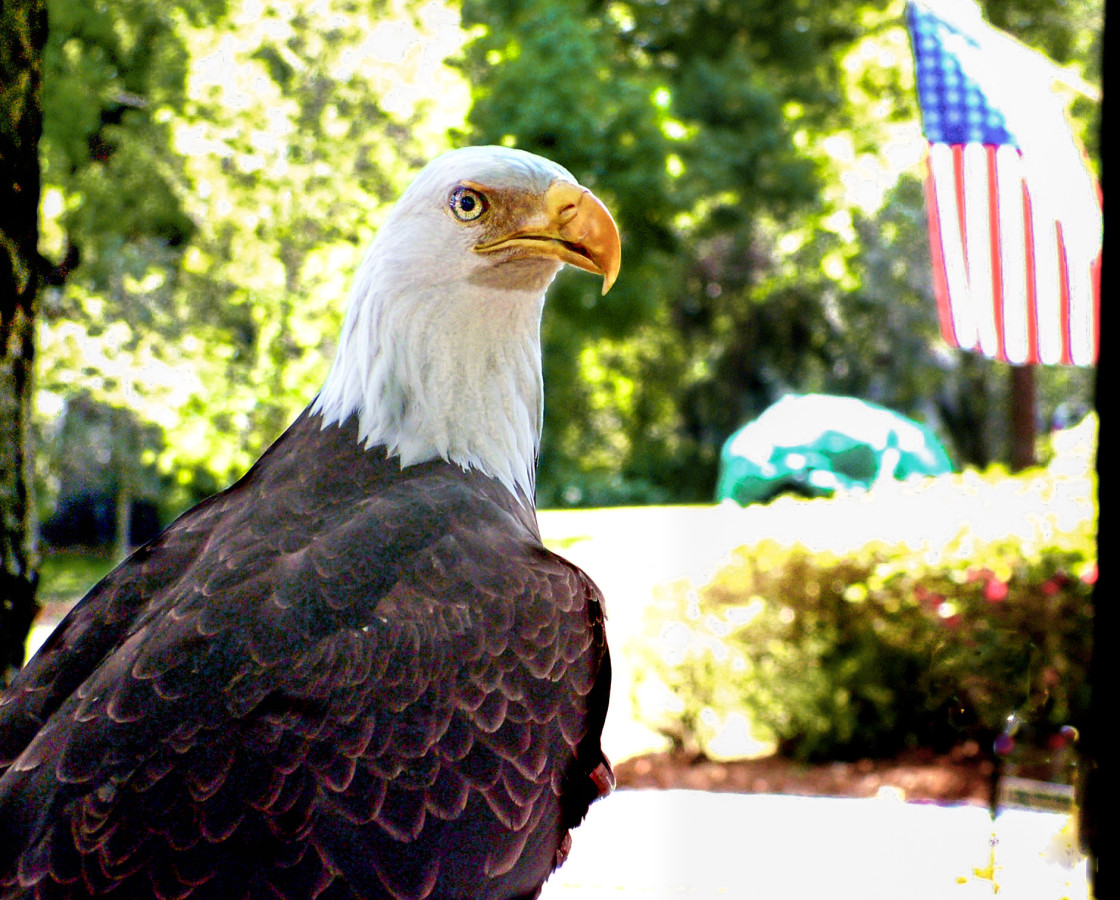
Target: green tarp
pixel 816 444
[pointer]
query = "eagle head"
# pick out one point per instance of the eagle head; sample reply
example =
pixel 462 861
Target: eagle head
pixel 439 356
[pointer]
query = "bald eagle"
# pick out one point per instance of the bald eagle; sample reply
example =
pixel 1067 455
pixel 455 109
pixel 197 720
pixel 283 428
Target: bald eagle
pixel 357 672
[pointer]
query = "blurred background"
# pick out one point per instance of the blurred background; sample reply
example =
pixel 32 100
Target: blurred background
pixel 212 171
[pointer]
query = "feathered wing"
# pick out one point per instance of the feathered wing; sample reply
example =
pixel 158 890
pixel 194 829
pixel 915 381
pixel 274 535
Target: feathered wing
pixel 336 679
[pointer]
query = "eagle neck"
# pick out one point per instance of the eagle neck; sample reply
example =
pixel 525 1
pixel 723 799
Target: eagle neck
pixel 448 372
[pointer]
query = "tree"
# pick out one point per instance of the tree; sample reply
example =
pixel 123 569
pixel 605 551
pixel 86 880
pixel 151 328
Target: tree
pixel 114 187
pixel 79 94
pixel 295 158
pixel 281 139
pixel 23 31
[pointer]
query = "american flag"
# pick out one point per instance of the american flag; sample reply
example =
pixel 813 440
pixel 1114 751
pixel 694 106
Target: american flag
pixel 1014 214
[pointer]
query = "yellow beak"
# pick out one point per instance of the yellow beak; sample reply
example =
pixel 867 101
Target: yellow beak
pixel 576 229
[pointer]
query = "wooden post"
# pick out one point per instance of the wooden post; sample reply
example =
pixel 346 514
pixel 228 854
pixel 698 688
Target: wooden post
pixel 1022 417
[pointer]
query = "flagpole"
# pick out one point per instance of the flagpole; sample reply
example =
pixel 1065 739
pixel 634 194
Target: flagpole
pixel 1077 84
pixel 1022 415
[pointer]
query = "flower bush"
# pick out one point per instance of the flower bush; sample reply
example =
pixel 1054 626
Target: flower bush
pixel 870 652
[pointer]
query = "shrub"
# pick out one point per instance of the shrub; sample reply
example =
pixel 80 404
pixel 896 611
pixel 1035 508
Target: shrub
pixel 864 654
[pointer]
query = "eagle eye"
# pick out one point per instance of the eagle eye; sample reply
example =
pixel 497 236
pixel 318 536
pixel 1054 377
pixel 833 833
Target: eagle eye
pixel 467 204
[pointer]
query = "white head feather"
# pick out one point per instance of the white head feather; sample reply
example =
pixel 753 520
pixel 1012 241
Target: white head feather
pixel 439 355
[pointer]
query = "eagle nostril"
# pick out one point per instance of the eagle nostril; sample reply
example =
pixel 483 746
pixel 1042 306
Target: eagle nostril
pixel 567 213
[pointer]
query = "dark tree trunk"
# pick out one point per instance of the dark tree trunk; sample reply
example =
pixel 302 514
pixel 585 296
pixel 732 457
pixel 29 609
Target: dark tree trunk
pixel 1022 417
pixel 1098 775
pixel 23 32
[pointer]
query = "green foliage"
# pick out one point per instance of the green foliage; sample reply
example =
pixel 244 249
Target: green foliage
pixel 96 447
pixel 296 160
pixel 219 181
pixel 115 223
pixel 864 654
pixel 112 76
pixel 64 576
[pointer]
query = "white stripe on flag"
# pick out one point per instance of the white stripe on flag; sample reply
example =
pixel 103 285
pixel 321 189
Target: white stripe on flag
pixel 1082 315
pixel 978 246
pixel 1013 254
pixel 1047 278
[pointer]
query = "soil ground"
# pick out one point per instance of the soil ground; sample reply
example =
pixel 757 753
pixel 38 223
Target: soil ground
pixel 961 776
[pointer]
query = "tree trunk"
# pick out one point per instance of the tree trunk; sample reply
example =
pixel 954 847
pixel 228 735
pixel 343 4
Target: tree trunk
pixel 122 539
pixel 23 32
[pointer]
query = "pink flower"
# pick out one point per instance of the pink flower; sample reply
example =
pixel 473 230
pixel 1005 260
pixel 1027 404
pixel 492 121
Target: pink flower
pixel 978 575
pixel 1004 744
pixel 995 591
pixel 1063 737
pixel 927 598
pixel 1090 577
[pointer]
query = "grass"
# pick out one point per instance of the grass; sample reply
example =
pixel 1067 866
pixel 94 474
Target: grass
pixel 65 575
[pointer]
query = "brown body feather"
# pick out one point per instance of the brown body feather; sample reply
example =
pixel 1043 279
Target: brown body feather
pixel 335 679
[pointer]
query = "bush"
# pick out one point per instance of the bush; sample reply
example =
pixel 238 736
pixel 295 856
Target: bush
pixel 885 648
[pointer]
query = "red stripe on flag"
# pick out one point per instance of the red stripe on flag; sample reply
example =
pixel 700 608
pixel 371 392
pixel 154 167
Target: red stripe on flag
pixel 1063 286
pixel 940 284
pixel 1032 302
pixel 1096 276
